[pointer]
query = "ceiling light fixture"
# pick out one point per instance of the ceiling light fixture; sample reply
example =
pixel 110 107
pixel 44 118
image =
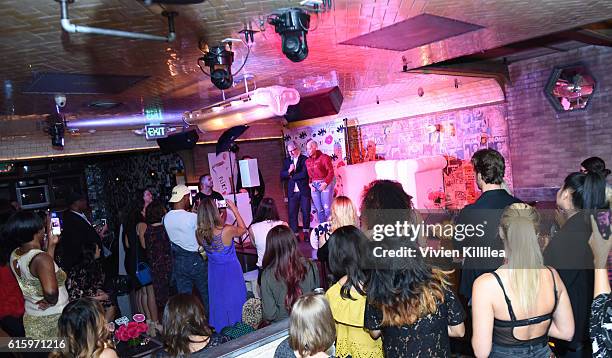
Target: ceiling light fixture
pixel 219 60
pixel 292 25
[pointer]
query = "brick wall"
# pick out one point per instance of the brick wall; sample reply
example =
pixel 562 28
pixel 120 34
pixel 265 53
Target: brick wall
pixel 546 145
pixel 269 154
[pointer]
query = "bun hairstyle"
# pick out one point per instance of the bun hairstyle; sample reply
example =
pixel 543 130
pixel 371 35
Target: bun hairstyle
pixel 596 165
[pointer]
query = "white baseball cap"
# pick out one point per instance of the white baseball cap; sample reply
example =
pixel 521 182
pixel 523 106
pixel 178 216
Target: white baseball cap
pixel 178 192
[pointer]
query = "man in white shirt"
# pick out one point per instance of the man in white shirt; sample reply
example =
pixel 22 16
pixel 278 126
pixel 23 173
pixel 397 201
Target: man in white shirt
pixel 298 190
pixel 189 267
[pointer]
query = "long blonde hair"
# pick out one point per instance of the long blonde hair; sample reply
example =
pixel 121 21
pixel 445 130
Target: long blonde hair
pixel 343 213
pixel 519 231
pixel 83 325
pixel 312 328
pixel 208 219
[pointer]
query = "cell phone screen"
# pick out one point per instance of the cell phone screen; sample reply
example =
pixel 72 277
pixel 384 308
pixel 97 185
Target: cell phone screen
pixel 603 223
pixel 56 224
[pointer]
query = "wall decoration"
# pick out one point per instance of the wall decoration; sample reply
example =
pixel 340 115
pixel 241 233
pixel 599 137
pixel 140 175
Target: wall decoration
pixel 112 185
pixel 457 135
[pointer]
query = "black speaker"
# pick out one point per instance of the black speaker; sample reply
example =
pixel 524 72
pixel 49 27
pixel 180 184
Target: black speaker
pixel 176 142
pixel 321 103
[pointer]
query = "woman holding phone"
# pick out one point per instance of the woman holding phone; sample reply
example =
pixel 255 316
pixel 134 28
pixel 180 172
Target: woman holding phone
pixel 40 279
pixel 226 287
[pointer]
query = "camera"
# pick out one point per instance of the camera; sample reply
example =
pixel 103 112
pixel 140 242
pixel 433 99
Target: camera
pixel 292 25
pixel 221 204
pixel 60 100
pixel 219 60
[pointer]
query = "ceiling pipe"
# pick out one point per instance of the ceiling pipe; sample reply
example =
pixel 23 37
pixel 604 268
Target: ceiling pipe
pixel 72 28
pixel 122 122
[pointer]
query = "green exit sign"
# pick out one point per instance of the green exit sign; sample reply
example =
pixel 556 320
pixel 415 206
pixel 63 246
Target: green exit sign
pixel 154 114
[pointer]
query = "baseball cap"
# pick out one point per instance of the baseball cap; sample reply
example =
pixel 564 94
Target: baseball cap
pixel 178 192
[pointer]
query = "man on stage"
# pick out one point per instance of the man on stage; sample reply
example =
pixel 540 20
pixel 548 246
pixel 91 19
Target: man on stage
pixel 321 174
pixel 298 190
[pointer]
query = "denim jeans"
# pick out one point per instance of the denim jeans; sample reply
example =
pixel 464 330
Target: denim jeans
pixel 190 270
pixel 322 200
pixel 535 351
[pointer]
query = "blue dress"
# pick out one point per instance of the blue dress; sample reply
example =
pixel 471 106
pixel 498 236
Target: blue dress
pixel 226 287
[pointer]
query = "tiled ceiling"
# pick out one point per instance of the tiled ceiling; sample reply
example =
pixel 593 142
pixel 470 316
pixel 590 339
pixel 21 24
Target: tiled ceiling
pixel 31 41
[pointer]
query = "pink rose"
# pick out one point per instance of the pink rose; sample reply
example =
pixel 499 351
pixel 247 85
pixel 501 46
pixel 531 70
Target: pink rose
pixel 142 327
pixel 132 325
pixel 329 139
pixel 122 335
pixel 133 332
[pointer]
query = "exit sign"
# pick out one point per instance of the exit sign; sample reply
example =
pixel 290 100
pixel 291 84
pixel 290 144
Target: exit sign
pixel 156 131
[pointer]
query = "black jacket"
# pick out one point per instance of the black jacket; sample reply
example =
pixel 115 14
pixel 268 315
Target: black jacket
pixel 299 176
pixel 486 211
pixel 569 252
pixel 76 232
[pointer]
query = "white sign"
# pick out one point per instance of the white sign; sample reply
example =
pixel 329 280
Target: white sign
pixel 249 173
pixel 220 171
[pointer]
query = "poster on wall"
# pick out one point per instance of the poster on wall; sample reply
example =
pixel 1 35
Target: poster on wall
pixel 330 139
pixel 220 171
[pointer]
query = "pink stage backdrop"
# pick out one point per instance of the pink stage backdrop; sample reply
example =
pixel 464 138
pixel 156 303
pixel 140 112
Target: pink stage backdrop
pixel 454 134
pixel 330 138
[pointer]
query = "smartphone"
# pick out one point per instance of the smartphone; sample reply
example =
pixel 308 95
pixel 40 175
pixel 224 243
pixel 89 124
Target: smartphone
pixel 103 222
pixel 603 223
pixel 56 224
pixel 221 204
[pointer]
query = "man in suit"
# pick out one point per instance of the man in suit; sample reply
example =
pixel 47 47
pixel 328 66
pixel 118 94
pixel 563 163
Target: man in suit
pixel 76 232
pixel 298 190
pixel 489 166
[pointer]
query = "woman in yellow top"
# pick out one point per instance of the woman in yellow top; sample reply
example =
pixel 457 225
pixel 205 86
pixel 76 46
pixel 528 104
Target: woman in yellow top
pixel 347 297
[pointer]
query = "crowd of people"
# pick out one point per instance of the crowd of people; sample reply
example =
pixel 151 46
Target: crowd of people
pixel 547 295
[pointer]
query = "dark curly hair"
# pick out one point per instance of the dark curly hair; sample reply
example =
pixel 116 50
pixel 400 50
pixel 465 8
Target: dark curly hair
pixel 385 202
pixel 408 291
pixel 490 164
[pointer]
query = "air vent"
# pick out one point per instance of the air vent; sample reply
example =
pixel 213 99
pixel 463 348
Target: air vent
pixel 414 32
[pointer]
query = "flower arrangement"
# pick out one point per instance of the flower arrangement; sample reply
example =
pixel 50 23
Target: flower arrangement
pixel 131 332
pixel 438 198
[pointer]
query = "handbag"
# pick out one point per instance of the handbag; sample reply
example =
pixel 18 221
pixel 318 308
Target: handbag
pixel 143 273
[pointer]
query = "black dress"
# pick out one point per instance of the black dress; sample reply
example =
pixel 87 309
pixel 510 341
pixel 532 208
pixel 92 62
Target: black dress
pixel 427 337
pixel 134 254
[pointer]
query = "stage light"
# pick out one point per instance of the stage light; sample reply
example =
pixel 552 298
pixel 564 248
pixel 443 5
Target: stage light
pixel 219 60
pixel 292 25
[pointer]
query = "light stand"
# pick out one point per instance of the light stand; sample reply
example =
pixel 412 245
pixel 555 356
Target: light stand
pixel 234 149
